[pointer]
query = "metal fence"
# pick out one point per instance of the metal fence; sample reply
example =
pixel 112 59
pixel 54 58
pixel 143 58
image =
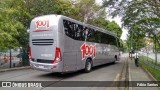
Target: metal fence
pixel 150 61
pixel 14 58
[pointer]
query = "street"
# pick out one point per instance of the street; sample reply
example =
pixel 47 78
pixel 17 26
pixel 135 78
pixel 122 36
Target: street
pixel 107 72
pixel 45 44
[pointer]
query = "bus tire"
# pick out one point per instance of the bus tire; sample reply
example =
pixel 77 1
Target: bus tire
pixel 88 66
pixel 114 62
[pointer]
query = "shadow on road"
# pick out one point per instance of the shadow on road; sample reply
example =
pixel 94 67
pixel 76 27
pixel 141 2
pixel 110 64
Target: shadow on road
pixel 103 66
pixel 76 73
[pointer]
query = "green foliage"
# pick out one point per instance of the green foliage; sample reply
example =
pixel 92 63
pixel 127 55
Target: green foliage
pixel 14 20
pixel 140 17
pixel 114 28
pixel 137 43
pixel 107 25
pixel 16 15
pixel 81 10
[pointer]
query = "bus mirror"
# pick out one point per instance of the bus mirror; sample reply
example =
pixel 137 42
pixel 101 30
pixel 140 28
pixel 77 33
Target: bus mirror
pixel 28 30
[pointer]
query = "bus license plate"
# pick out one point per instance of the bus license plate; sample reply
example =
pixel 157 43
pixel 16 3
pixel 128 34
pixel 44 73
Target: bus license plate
pixel 41 66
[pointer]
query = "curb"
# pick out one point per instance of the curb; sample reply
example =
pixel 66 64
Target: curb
pixel 13 69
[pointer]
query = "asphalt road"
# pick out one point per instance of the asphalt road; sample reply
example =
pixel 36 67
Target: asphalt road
pixel 107 72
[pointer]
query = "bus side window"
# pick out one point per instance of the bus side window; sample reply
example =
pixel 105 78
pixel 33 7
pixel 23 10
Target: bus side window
pixel 98 36
pixel 80 31
pixel 91 35
pixel 71 29
pixel 66 27
pixel 104 38
pixel 74 30
pixel 84 32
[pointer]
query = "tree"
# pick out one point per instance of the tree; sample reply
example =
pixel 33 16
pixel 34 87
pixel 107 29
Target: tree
pixel 107 25
pixel 16 15
pixel 12 24
pixel 44 7
pixel 85 10
pixel 141 15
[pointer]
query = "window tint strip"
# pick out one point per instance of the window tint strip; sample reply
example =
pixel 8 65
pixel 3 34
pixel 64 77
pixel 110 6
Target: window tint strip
pixel 82 33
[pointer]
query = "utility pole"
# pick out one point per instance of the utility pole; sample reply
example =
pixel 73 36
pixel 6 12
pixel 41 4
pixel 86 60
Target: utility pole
pixel 131 43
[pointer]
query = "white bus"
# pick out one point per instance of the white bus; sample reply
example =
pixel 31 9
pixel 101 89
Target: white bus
pixel 61 44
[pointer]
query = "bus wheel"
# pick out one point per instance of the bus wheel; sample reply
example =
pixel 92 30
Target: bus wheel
pixel 88 65
pixel 114 62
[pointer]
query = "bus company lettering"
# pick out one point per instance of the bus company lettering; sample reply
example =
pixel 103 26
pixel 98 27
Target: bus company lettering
pixel 88 50
pixel 44 23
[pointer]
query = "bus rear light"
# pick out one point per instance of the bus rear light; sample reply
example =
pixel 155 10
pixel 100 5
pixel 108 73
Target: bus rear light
pixel 30 54
pixel 58 57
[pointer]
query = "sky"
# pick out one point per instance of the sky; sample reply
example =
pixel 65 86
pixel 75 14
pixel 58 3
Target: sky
pixel 118 21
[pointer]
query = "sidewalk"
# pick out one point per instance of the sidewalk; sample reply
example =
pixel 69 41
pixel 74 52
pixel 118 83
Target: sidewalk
pixel 138 74
pixel 15 68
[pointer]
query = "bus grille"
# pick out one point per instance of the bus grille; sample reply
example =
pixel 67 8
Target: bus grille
pixel 42 60
pixel 42 42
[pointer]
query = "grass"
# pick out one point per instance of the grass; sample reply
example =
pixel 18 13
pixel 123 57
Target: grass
pixel 153 71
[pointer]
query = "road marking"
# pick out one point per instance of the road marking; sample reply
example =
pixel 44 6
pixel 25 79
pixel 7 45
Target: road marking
pixel 108 89
pixel 117 78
